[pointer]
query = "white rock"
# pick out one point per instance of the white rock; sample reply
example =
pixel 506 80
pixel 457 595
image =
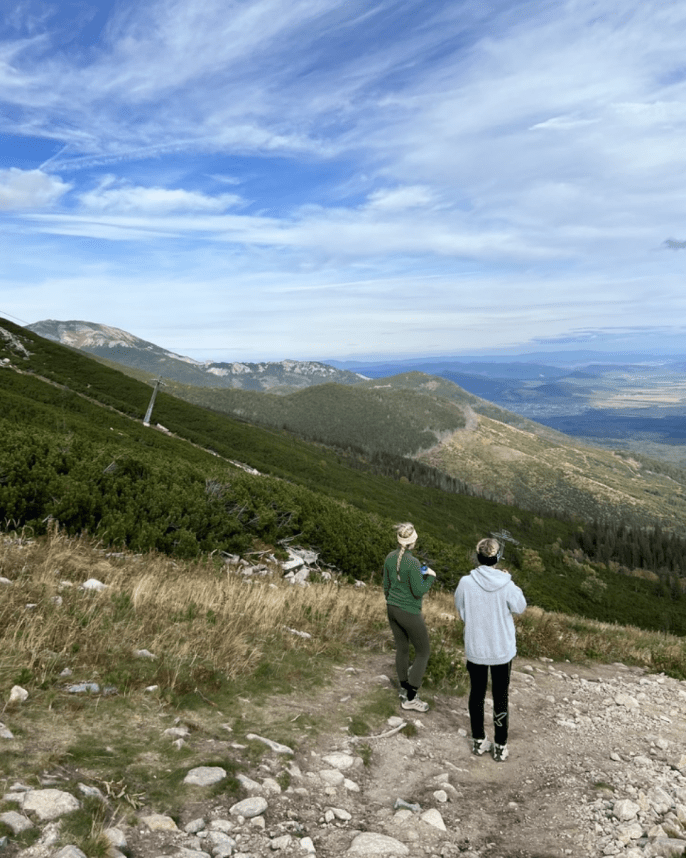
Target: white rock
pixel 116 837
pixel 306 845
pixel 271 787
pixel 94 585
pixel 248 784
pixel 205 776
pixel 625 809
pixel 341 813
pixel 627 701
pixel 159 822
pixel 340 761
pixel 275 746
pixel 18 694
pixel 249 807
pixel 332 777
pixel 5 732
pixel 434 818
pixel 16 821
pixel 220 843
pixel 441 796
pixel 280 843
pixel 49 803
pixel 221 825
pixel 144 653
pixel 91 792
pixel 368 843
pixel 70 852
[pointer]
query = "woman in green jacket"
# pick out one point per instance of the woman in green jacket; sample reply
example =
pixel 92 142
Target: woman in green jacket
pixel 405 581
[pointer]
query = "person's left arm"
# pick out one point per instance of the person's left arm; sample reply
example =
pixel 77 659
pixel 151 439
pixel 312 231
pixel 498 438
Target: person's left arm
pixel 515 599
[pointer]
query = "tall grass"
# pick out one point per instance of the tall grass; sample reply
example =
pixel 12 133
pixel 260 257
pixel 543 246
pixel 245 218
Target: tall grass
pixel 205 625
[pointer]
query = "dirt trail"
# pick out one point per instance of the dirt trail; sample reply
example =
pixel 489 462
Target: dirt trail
pixel 565 723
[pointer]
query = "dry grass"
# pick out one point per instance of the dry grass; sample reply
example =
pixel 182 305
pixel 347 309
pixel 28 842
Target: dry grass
pixel 200 621
pixel 207 626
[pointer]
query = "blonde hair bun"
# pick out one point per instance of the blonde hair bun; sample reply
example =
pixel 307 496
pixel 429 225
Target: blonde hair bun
pixel 488 548
pixel 406 534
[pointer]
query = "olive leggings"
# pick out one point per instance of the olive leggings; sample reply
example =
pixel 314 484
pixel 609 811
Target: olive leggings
pixel 409 629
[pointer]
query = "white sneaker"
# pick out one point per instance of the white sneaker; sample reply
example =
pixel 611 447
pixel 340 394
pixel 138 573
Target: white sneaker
pixel 480 746
pixel 500 753
pixel 416 704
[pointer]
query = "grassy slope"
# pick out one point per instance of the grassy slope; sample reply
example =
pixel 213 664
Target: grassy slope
pixel 497 452
pixel 449 524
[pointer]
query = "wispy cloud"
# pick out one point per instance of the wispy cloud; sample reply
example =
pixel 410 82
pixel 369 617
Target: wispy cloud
pixel 476 142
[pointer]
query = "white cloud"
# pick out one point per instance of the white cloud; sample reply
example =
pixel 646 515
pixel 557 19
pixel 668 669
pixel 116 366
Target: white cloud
pixel 396 199
pixel 129 199
pixel 29 189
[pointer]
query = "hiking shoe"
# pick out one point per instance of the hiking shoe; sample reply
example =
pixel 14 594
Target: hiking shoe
pixel 500 753
pixel 480 746
pixel 416 704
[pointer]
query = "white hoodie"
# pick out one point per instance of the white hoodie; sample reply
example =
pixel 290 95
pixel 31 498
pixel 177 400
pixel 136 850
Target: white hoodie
pixel 486 600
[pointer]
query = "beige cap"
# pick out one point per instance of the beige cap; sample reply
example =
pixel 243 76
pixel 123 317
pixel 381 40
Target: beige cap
pixel 407 535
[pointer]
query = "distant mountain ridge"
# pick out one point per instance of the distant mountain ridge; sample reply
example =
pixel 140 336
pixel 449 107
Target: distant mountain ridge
pixel 121 347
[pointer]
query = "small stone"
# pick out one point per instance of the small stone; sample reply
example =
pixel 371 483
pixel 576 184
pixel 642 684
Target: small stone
pixel 341 813
pixel 625 809
pixel 224 825
pixel 275 746
pixel 159 822
pixel 94 585
pixel 332 777
pixel 369 843
pixel 50 804
pixel 441 796
pixel 91 792
pixel 205 776
pixel 434 818
pixel 18 694
pixel 271 787
pixel 342 762
pixel 144 653
pixel 249 807
pixel 307 846
pixel 248 784
pixel 351 786
pixel 280 843
pixel 5 732
pixel 116 837
pixel 84 688
pixel 16 821
pixel 70 852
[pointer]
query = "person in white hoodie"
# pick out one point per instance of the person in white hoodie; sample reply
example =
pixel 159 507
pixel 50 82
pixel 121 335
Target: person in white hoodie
pixel 486 599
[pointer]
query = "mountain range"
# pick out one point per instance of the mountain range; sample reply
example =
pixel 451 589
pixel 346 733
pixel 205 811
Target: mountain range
pixel 490 450
pixel 120 347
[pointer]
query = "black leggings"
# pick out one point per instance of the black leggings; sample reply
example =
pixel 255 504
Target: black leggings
pixel 500 684
pixel 409 629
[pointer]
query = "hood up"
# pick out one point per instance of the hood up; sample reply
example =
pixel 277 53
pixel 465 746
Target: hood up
pixel 489 578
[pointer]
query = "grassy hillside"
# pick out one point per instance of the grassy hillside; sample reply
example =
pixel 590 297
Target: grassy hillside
pixel 75 451
pixel 497 454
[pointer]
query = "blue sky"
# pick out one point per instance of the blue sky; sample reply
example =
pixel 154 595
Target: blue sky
pixel 269 179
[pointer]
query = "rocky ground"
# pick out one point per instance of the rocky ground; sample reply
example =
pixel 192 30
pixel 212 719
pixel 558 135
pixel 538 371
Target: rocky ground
pixel 597 767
